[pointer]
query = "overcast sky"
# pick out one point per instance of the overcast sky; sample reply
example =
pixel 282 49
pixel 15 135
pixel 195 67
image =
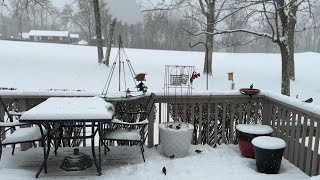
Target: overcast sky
pixel 125 10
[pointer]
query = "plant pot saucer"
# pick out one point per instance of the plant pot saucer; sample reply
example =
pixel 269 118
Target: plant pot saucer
pixel 249 91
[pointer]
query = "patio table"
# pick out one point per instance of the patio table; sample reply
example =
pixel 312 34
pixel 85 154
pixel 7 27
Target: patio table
pixel 70 111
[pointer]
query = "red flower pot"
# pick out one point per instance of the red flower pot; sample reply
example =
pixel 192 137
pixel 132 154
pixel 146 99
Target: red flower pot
pixel 245 134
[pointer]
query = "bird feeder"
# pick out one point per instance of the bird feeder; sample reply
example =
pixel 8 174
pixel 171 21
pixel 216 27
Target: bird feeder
pixel 230 76
pixel 140 77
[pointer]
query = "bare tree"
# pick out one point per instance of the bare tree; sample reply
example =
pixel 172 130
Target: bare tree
pixel 110 39
pixel 98 30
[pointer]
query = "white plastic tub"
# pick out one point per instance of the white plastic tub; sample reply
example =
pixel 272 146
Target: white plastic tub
pixel 175 142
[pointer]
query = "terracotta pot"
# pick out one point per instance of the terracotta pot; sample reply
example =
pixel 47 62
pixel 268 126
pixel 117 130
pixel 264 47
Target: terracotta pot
pixel 244 141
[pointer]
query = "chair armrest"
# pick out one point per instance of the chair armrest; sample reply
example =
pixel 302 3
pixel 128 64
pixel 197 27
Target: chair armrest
pixel 11 124
pixel 117 121
pixel 133 112
pixel 14 113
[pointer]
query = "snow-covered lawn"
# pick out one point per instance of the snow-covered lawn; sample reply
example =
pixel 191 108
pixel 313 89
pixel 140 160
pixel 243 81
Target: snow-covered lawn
pixel 224 162
pixel 40 66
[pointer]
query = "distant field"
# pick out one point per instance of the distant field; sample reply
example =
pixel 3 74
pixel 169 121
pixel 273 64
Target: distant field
pixel 40 66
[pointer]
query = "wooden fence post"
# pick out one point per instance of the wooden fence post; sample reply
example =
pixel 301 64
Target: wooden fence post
pixel 266 112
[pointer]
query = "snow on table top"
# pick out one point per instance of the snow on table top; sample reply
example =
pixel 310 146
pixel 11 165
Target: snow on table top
pixel 75 108
pixel 254 128
pixel 267 142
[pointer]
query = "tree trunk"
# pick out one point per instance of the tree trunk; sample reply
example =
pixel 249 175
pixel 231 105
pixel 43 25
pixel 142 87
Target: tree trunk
pixel 110 38
pixel 285 82
pixel 98 30
pixel 209 41
pixel 291 28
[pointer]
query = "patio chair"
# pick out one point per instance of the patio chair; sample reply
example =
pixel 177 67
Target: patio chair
pixel 135 130
pixel 18 135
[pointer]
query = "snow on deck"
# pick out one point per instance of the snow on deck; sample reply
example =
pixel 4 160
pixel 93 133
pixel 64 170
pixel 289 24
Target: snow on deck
pixel 123 163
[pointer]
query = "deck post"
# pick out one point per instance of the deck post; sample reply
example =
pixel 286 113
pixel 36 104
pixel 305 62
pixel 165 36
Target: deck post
pixel 151 128
pixel 266 112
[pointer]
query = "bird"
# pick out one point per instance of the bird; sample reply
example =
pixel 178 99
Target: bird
pixel 164 170
pixel 310 100
pixel 251 86
pixel 171 157
pixel 198 151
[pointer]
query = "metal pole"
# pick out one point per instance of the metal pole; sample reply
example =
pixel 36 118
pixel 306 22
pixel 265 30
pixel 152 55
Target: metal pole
pixel 120 61
pixel 206 60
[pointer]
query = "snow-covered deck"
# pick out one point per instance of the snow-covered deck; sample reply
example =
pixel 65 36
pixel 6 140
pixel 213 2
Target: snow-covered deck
pixel 224 162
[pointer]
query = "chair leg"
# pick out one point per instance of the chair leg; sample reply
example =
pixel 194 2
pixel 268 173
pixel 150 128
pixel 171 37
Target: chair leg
pixel 13 148
pixel 142 150
pixel 0 150
pixel 105 147
pixel 58 142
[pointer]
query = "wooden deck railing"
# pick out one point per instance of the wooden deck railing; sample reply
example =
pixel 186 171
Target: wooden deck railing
pixel 215 117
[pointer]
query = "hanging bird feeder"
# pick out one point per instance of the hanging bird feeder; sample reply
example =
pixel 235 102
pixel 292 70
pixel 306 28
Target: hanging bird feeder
pixel 141 77
pixel 76 162
pixel 230 76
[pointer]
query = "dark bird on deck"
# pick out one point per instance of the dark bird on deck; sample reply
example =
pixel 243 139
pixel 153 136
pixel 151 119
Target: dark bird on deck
pixel 251 86
pixel 198 151
pixel 310 100
pixel 164 170
pixel 171 157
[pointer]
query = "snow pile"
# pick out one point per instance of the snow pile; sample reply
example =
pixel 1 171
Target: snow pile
pixel 24 134
pixel 59 66
pixel 267 142
pixel 83 42
pixel 254 128
pixel 122 163
pixel 315 178
pixel 49 33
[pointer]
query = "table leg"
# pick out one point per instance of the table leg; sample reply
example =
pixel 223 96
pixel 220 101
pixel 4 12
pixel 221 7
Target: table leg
pixel 59 139
pixel 100 164
pixel 44 163
pixel 93 150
